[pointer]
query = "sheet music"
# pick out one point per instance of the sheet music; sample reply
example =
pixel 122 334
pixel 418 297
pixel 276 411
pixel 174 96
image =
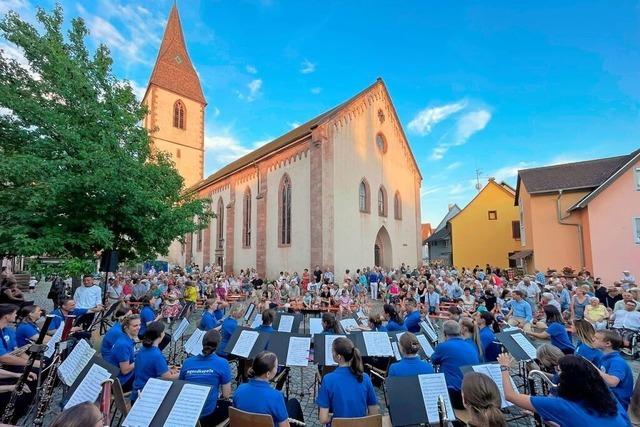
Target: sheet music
pixel 328 349
pixel 286 323
pixel 257 321
pixel 315 326
pixel 432 386
pixel 89 388
pixel 298 352
pixel 184 324
pixel 428 329
pixel 81 354
pixel 492 370
pixel 51 345
pixel 148 403
pixel 187 407
pixel 377 344
pixel 249 312
pixel 396 350
pixel 245 343
pixel 426 346
pixel 194 343
pixel 349 324
pixel 525 345
pixel 360 314
pixel 510 328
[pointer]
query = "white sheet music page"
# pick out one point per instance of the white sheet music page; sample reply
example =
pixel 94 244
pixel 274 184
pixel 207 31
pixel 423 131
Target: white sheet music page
pixel 377 344
pixel 298 351
pixel 492 370
pixel 315 326
pixel 426 346
pixel 89 388
pixel 148 403
pixel 249 312
pixel 184 324
pixel 51 345
pixel 432 386
pixel 194 343
pixel 396 350
pixel 69 370
pixel 525 345
pixel 361 314
pixel 349 324
pixel 328 349
pixel 428 329
pixel 257 321
pixel 286 323
pixel 245 343
pixel 187 407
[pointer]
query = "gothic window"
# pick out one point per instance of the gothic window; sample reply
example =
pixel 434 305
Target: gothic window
pixel 246 219
pixel 381 143
pixel 179 115
pixel 382 201
pixel 284 211
pixel 397 206
pixel 364 196
pixel 220 224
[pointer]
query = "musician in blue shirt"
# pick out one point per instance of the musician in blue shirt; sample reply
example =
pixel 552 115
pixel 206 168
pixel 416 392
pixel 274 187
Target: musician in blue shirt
pixel 123 351
pixel 8 337
pixel 586 335
pixel 346 392
pixel 267 321
pixel 214 371
pixel 114 332
pixel 614 370
pixel 394 323
pixel 149 362
pixel 208 321
pixel 27 330
pixel 555 330
pixel 412 319
pixel 488 325
pixel 410 364
pixel 68 308
pixel 227 329
pixel 451 355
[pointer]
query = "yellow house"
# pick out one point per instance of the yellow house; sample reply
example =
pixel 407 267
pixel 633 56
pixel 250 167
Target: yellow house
pixel 487 230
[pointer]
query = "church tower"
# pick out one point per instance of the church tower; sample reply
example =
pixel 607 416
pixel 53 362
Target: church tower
pixel 176 104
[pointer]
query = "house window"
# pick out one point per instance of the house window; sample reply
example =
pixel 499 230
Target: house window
pixel 220 228
pixel 246 219
pixel 636 230
pixel 523 235
pixel 515 229
pixel 364 196
pixel 637 174
pixel 493 215
pixel 382 201
pixel 285 211
pixel 178 153
pixel 179 115
pixel 397 206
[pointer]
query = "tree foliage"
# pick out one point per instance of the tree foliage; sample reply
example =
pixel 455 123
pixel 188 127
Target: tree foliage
pixel 77 171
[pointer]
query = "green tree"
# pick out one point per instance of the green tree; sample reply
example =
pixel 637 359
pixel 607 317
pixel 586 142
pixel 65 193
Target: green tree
pixel 77 172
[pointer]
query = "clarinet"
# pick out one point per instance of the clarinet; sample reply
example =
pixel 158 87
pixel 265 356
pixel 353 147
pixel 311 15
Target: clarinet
pixel 37 350
pixel 50 381
pixel 105 402
pixel 442 413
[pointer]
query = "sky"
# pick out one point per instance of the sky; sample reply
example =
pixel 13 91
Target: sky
pixel 482 88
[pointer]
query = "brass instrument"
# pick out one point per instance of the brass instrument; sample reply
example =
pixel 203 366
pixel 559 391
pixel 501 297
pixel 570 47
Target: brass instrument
pixel 20 350
pixel 545 383
pixel 105 402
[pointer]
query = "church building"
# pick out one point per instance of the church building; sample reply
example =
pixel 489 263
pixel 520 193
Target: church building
pixel 341 191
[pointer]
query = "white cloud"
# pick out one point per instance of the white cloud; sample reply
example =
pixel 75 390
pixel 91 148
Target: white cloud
pixel 316 90
pixel 14 5
pixel 215 112
pixel 11 51
pixel 454 165
pixel 254 87
pixel 509 172
pixel 251 69
pixel 293 125
pixel 466 126
pixel 262 142
pixel 307 67
pixel 438 152
pixel 224 147
pixel 426 119
pixel 430 190
pixel 138 90
pixel 459 189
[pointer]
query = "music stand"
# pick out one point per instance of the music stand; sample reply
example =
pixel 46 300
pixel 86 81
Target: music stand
pixel 295 327
pixel 248 312
pixel 515 349
pixel 95 360
pixel 279 343
pixel 260 344
pixel 406 403
pixel 319 353
pixel 359 342
pixel 424 354
pixel 103 319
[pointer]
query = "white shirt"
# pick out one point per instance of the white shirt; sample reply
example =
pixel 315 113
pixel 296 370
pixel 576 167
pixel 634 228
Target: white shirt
pixel 627 320
pixel 88 297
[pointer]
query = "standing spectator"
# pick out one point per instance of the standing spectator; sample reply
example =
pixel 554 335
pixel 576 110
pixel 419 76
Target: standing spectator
pixel 88 297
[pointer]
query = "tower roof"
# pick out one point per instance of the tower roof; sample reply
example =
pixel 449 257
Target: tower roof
pixel 173 70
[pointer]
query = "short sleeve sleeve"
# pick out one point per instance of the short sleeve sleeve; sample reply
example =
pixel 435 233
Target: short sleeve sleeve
pixel 323 399
pixel 617 368
pixel 120 352
pixel 372 399
pixel 225 374
pixel 281 413
pixel 161 365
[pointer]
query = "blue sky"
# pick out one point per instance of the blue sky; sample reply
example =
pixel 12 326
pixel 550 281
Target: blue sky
pixel 495 86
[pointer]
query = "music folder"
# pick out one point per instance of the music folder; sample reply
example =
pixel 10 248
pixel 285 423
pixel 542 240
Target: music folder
pixel 259 345
pixel 293 321
pixel 95 360
pixel 279 343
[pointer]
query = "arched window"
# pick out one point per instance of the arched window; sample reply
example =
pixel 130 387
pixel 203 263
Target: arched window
pixel 397 206
pixel 381 143
pixel 382 201
pixel 220 224
pixel 246 219
pixel 364 196
pixel 284 211
pixel 179 115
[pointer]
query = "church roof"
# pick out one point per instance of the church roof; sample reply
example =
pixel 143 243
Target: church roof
pixel 173 70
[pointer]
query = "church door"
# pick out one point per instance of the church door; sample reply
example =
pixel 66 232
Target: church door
pixel 382 249
pixel 377 256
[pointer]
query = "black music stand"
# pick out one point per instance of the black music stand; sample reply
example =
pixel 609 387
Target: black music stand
pixel 394 336
pixel 104 319
pixel 260 344
pixel 514 349
pixel 319 355
pixel 358 341
pixel 279 344
pixel 430 332
pixel 295 327
pixel 95 360
pixel 406 406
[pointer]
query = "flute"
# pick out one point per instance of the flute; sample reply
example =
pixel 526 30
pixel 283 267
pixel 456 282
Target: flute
pixel 105 402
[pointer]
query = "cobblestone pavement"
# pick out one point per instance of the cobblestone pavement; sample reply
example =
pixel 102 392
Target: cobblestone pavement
pixel 301 384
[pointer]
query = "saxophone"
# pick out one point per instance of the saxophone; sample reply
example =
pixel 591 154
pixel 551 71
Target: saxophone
pixel 50 381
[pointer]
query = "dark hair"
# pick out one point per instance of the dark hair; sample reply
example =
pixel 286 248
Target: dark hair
pixel 375 320
pixel 330 324
pixel 145 300
pixel 7 309
pixel 490 320
pixel 209 303
pixel 81 415
pixel 210 342
pixel 153 332
pixel 25 311
pixel 519 292
pixel 580 382
pixel 267 316
pixel 264 362
pixel 409 343
pixel 345 348
pixel 482 399
pixel 64 301
pixel 611 337
pixel 552 314
pixel 121 311
pixel 390 310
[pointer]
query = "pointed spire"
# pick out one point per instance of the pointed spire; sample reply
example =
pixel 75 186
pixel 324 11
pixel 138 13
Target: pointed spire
pixel 173 70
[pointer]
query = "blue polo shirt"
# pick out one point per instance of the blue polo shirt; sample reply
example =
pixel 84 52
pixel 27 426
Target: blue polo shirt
pixel 110 339
pixel 570 414
pixel 593 355
pixel 264 328
pixel 24 332
pixel 489 349
pixel 412 321
pixel 150 363
pixel 229 326
pixel 381 328
pixel 559 336
pixel 257 396
pixel 218 314
pixel 613 364
pixel 409 367
pixel 59 317
pixel 342 394
pixel 210 370
pixel 394 326
pixel 521 309
pixel 451 355
pixel 146 315
pixel 7 340
pixel 207 322
pixel 122 351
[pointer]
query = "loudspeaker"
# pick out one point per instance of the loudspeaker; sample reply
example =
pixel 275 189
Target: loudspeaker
pixel 109 261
